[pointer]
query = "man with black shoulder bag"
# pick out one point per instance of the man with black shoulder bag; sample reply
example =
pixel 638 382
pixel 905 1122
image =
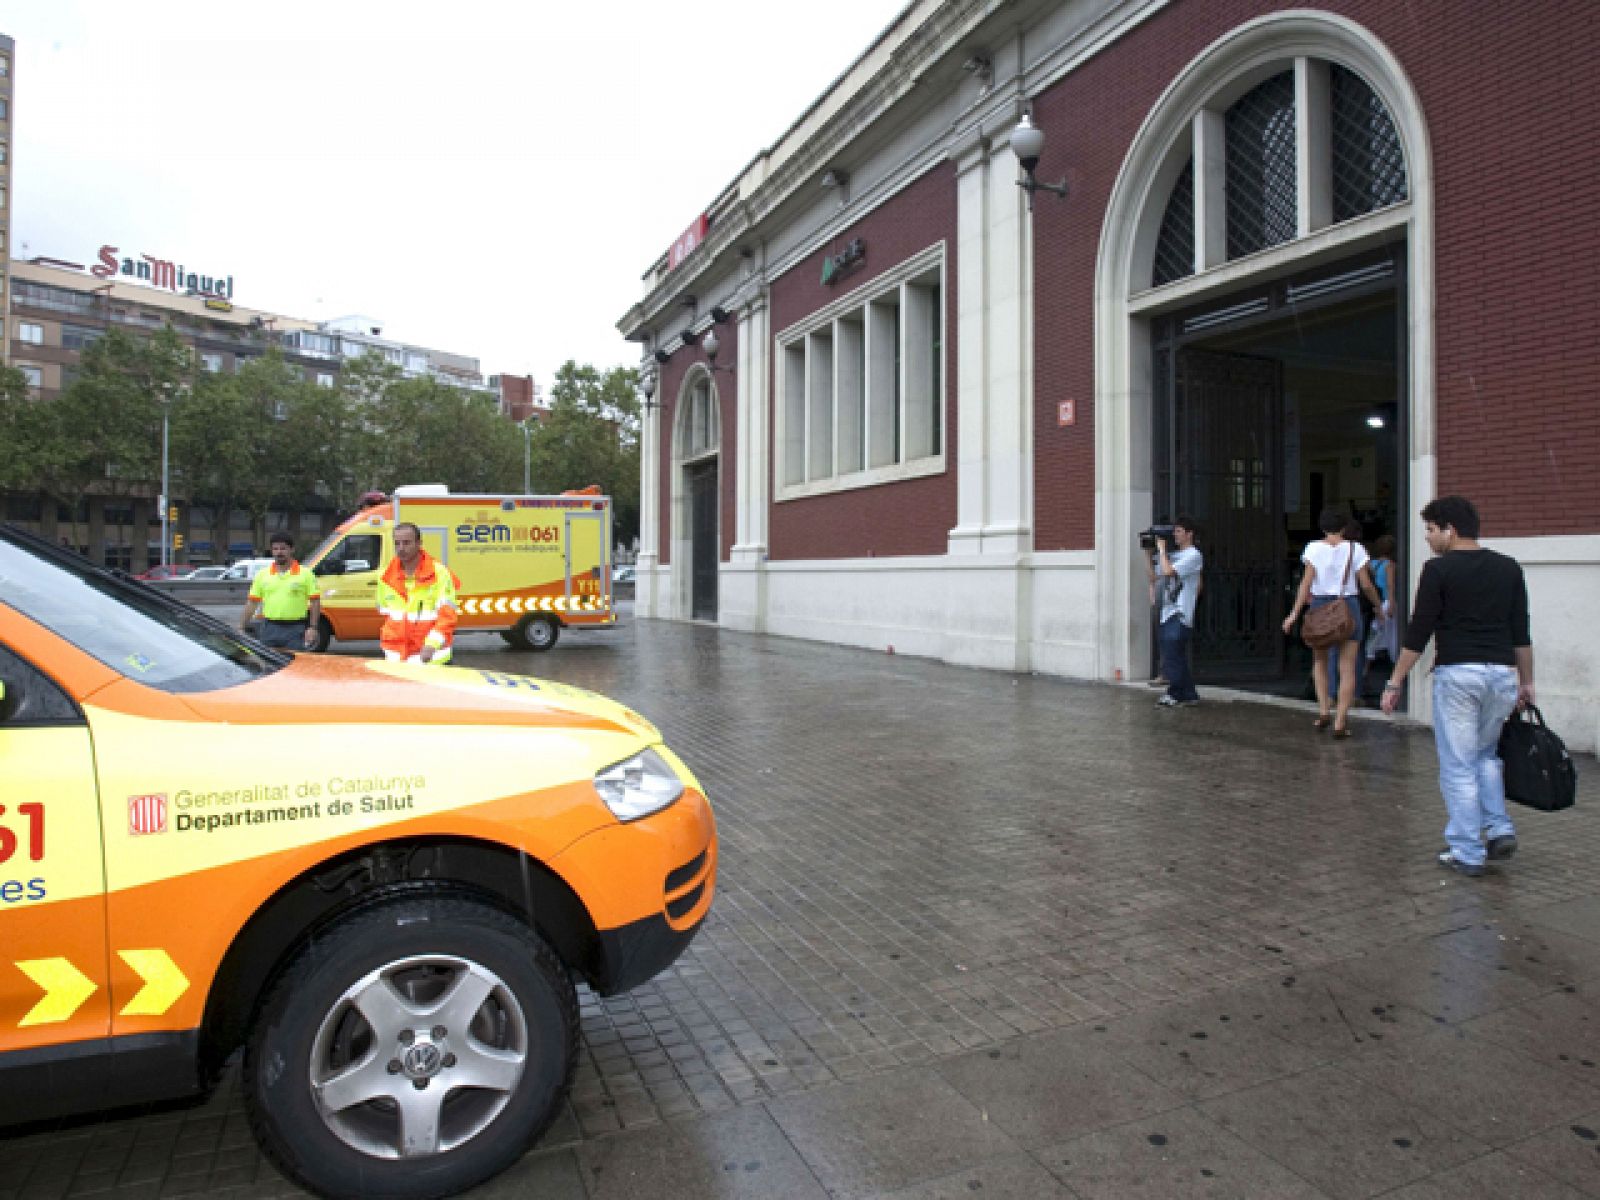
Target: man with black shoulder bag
pixel 1476 601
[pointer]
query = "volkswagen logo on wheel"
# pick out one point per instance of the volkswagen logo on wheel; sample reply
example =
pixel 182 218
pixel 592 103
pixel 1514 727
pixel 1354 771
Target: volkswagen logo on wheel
pixel 422 1060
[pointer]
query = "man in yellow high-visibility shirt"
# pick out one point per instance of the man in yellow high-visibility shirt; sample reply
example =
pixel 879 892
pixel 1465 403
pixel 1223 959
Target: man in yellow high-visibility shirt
pixel 289 600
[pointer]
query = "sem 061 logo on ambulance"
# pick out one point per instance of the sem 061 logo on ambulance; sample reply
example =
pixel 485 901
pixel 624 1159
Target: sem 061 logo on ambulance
pixel 147 814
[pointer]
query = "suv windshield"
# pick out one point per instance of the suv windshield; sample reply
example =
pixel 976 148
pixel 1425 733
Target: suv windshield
pixel 136 630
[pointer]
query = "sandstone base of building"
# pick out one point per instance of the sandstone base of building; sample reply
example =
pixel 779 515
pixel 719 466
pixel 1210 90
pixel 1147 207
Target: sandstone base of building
pixel 1036 613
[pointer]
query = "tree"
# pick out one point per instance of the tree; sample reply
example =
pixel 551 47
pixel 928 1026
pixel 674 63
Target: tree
pixel 24 434
pixel 102 435
pixel 591 436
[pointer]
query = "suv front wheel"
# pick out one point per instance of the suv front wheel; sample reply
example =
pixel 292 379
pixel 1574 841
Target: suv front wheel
pixel 417 1048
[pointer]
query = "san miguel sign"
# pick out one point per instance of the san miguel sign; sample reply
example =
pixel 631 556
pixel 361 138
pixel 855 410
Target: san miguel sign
pixel 162 273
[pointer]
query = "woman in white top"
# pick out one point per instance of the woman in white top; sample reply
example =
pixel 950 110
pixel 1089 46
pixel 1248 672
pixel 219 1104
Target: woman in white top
pixel 1335 567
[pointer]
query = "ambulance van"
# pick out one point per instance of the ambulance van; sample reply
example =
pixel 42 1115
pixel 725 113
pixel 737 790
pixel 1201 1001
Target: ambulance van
pixel 529 566
pixel 382 881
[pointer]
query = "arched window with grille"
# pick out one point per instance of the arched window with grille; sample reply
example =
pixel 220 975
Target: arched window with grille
pixel 1283 173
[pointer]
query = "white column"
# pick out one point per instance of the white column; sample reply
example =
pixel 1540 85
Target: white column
pixel 645 582
pixel 754 417
pixel 1313 146
pixel 994 307
pixel 1210 187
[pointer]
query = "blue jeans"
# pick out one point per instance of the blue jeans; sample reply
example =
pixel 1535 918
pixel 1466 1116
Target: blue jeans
pixel 1471 702
pixel 1175 659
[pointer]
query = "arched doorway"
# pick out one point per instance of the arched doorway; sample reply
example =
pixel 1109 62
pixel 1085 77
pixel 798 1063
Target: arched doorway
pixel 696 497
pixel 1263 340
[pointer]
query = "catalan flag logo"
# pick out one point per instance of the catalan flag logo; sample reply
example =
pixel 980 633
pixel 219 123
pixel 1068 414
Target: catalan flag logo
pixel 147 814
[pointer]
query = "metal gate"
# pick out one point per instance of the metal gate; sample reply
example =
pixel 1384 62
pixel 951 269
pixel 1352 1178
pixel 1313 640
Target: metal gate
pixel 701 480
pixel 1220 461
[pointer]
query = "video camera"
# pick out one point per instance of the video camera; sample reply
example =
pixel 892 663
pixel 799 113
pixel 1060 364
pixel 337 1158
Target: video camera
pixel 1147 538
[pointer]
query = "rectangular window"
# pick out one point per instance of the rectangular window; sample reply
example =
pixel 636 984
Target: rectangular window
pixel 79 337
pixel 25 508
pixel 819 404
pixel 883 385
pixel 34 375
pixel 30 332
pixel 794 413
pixel 862 384
pixel 211 362
pixel 850 390
pixel 324 379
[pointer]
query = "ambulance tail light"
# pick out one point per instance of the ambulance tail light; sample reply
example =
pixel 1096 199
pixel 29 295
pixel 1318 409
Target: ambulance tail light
pixel 638 786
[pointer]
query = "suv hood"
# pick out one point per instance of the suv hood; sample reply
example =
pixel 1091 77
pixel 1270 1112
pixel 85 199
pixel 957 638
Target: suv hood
pixel 338 690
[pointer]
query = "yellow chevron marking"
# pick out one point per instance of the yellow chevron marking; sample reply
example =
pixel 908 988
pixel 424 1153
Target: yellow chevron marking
pixel 65 989
pixel 163 982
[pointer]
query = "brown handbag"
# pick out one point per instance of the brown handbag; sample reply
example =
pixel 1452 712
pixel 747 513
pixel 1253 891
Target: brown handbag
pixel 1329 624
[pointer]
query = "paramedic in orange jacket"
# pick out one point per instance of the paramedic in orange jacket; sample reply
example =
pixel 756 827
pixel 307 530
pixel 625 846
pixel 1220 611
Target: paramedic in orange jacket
pixel 417 597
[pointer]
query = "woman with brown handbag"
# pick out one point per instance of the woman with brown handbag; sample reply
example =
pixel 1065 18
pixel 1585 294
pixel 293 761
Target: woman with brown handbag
pixel 1335 567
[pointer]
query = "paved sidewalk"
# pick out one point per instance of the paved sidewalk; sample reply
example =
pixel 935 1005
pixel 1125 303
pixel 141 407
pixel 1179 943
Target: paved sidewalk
pixel 980 934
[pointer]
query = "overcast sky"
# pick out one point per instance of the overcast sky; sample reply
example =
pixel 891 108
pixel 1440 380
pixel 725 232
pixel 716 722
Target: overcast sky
pixel 490 179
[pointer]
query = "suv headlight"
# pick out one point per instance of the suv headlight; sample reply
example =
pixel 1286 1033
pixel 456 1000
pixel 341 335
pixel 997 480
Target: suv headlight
pixel 638 786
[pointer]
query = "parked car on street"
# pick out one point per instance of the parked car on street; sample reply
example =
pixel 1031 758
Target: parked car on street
pixel 622 575
pixel 206 574
pixel 246 568
pixel 381 880
pixel 171 571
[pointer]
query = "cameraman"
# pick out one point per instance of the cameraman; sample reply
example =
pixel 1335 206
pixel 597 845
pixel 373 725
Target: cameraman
pixel 1177 580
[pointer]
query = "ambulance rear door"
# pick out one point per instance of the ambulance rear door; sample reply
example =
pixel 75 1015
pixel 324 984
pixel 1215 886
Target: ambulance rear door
pixel 588 565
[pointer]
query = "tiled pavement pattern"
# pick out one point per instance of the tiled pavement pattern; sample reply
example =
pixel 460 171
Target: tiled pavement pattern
pixel 1019 937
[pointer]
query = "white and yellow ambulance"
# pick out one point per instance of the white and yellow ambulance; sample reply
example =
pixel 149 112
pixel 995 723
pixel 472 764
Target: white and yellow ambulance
pixel 528 566
pixel 380 880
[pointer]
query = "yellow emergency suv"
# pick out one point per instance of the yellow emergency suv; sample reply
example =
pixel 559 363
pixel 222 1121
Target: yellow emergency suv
pixel 380 880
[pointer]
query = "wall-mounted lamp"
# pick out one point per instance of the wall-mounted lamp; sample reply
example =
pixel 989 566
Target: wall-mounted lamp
pixel 1376 421
pixel 647 389
pixel 1027 140
pixel 711 345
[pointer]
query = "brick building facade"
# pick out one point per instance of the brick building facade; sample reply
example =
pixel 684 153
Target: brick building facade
pixel 1338 255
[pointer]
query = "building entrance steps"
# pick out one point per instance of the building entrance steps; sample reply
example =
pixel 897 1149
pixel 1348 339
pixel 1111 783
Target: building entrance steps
pixel 979 930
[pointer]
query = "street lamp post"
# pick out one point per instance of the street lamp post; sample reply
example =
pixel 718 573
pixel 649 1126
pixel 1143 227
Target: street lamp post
pixel 527 457
pixel 165 499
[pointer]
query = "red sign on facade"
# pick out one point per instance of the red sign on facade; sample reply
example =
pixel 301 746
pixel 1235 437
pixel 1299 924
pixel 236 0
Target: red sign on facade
pixel 1067 412
pixel 687 241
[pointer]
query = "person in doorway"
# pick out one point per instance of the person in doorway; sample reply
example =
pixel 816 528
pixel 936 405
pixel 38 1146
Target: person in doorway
pixel 1384 640
pixel 1352 532
pixel 288 598
pixel 1176 576
pixel 417 596
pixel 1336 567
pixel 1476 601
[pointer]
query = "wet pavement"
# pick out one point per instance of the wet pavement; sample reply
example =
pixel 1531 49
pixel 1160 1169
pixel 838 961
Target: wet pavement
pixel 984 934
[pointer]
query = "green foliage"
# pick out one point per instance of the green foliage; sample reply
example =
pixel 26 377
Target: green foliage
pixel 267 437
pixel 591 436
